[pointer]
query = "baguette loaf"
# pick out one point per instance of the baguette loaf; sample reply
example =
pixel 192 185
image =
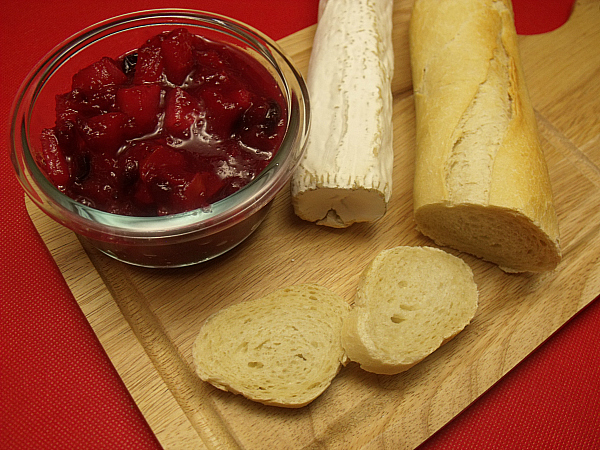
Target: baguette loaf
pixel 481 181
pixel 282 349
pixel 345 175
pixel 409 301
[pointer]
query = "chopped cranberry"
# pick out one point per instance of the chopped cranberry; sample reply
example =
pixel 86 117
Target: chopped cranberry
pixel 98 194
pixel 198 191
pixel 164 178
pixel 142 195
pixel 100 188
pixel 261 126
pixel 210 58
pixel 67 107
pixel 79 166
pixel 68 110
pixel 102 100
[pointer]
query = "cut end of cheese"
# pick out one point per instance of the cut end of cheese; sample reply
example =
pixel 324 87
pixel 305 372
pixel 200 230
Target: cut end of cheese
pixel 495 234
pixel 340 208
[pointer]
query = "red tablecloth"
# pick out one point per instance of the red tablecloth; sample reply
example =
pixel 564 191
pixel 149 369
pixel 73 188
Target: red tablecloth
pixel 59 390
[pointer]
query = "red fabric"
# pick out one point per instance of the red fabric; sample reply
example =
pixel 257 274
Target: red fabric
pixel 550 400
pixel 58 388
pixel 541 16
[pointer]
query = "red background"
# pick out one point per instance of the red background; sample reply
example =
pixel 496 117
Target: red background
pixel 58 389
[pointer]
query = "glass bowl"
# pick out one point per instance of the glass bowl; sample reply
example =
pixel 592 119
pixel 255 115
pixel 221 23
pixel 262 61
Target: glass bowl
pixel 163 241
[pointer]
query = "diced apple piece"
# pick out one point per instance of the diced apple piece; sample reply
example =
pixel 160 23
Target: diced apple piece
pixel 53 160
pixel 150 65
pixel 142 104
pixel 104 133
pixel 98 75
pixel 177 55
pixel 182 111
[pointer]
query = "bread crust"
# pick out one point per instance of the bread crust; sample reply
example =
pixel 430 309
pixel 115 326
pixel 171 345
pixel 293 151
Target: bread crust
pixel 409 302
pixel 282 349
pixel 461 50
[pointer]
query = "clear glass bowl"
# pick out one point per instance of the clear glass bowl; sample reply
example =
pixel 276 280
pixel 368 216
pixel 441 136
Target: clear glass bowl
pixel 166 241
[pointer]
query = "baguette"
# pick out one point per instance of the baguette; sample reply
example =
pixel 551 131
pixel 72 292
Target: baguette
pixel 409 302
pixel 345 175
pixel 282 349
pixel 481 181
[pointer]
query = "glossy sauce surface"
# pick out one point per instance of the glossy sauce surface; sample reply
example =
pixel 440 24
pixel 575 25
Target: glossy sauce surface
pixel 175 125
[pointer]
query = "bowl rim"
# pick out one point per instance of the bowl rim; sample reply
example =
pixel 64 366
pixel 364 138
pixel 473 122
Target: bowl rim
pixel 208 220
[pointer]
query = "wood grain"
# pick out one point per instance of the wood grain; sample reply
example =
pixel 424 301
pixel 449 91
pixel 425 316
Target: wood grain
pixel 147 319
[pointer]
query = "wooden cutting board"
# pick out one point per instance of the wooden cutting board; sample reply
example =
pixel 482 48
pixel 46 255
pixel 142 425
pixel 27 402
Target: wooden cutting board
pixel 147 319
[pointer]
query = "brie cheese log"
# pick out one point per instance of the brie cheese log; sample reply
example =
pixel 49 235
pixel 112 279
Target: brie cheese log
pixel 345 175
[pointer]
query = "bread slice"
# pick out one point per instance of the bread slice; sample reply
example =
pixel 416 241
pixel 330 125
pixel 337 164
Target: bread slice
pixel 282 349
pixel 481 181
pixel 409 302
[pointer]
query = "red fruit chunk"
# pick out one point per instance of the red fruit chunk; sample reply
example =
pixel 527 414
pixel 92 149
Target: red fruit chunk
pixel 67 107
pixel 104 133
pixel 177 55
pixel 242 98
pixel 262 126
pixel 142 104
pixel 142 194
pixel 99 194
pixel 79 167
pixel 193 192
pixel 99 188
pixel 67 113
pixel 205 75
pixel 210 59
pixel 182 111
pixel 163 167
pixel 98 75
pixel 149 66
pixel 102 100
pixel 224 108
pixel 198 192
pixel 212 184
pixel 154 132
pixel 53 160
pixel 167 181
pixel 130 160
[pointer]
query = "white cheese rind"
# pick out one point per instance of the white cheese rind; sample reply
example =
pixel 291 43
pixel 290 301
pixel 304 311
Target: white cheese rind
pixel 346 173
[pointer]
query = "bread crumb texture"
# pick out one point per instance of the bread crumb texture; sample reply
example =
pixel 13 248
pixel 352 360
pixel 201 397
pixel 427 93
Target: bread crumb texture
pixel 409 302
pixel 282 349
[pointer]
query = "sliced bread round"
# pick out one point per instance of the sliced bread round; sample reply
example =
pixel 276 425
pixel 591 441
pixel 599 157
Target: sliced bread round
pixel 282 349
pixel 409 301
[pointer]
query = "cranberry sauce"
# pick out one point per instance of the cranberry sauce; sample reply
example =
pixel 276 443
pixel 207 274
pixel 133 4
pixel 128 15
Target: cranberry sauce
pixel 176 125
